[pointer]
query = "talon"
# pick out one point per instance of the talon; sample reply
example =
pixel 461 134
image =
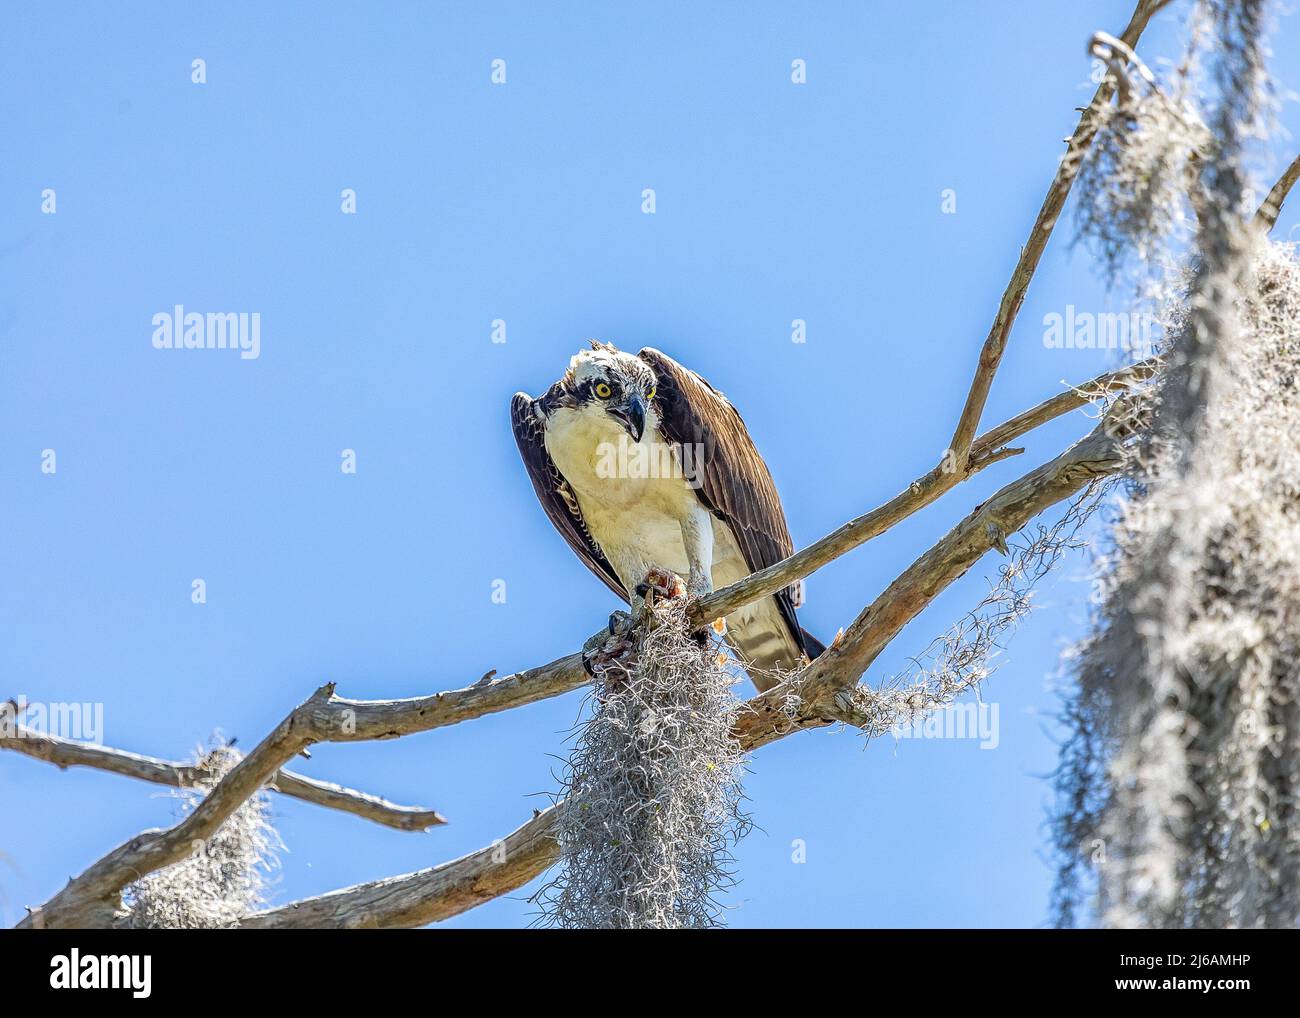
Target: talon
pixel 612 647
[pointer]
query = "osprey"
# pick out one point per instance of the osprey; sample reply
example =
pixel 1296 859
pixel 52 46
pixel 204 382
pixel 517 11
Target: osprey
pixel 642 465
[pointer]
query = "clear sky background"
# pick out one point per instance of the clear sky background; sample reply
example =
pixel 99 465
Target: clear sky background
pixel 519 202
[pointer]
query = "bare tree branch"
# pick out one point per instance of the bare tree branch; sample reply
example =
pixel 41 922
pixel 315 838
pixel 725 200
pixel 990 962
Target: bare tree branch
pixel 92 899
pixel 1089 392
pixel 821 687
pixel 429 895
pixel 350 800
pixel 64 753
pixel 1013 297
pixel 389 719
pixel 988 448
pixel 1271 208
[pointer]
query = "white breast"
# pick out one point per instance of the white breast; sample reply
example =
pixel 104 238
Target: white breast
pixel 633 496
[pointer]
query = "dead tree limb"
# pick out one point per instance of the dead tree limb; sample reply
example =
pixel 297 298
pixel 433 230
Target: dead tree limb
pixel 428 895
pixel 1049 213
pixel 988 448
pixel 93 899
pixel 821 687
pixel 390 719
pixel 64 753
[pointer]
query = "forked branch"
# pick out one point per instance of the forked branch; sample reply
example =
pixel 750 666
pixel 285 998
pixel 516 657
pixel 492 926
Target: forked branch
pixel 988 448
pixel 64 753
pixel 1049 213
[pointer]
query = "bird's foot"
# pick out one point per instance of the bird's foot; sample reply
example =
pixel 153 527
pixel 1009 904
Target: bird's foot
pixel 611 648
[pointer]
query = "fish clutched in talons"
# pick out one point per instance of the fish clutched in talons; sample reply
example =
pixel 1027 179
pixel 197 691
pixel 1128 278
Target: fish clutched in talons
pixel 665 585
pixel 661 583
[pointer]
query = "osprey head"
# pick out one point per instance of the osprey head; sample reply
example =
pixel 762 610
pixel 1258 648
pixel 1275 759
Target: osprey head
pixel 616 383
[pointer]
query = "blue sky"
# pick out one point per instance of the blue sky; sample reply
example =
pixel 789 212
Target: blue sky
pixel 519 202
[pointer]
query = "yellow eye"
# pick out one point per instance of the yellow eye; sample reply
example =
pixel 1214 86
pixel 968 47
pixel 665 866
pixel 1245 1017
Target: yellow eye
pixel 651 393
pixel 603 390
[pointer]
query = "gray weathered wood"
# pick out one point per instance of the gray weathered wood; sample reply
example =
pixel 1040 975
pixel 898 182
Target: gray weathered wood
pixel 64 753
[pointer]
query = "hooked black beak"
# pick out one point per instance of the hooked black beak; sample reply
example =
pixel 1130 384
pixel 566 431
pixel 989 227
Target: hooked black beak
pixel 632 417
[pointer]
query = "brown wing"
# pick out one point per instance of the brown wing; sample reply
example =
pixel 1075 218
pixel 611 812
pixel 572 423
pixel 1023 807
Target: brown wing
pixel 735 484
pixel 554 493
